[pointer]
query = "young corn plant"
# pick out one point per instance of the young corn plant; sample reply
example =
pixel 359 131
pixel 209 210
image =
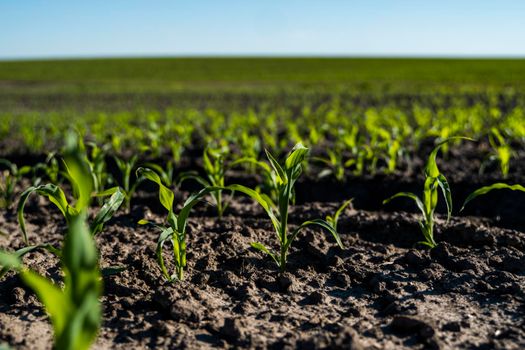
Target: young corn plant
pixel 50 170
pixel 126 167
pixel 165 173
pixel 335 165
pixel 434 180
pixel 75 311
pixel 57 196
pixel 174 228
pixel 215 169
pixel 97 163
pixel 334 219
pixel 502 151
pixel 9 178
pixel 285 176
pixel 178 139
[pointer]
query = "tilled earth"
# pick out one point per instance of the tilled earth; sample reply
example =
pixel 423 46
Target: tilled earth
pixel 377 293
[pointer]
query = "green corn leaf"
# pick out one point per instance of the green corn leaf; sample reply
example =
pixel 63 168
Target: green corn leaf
pixel 9 261
pixel 294 173
pixel 427 234
pixel 280 175
pixel 163 237
pixel 83 286
pixel 208 166
pixel 109 209
pixel 80 252
pixel 82 327
pixel 78 170
pixel 107 192
pixel 332 220
pixel 496 133
pixel 325 161
pixel 192 175
pixel 297 156
pixel 445 188
pixel 163 174
pixel 410 195
pixel 317 222
pixel 195 198
pixel 56 304
pixel 19 254
pixel 166 195
pixel 53 193
pixel 497 186
pixel 263 200
pixel 262 248
pixel 431 168
pixel 251 160
pixel 121 164
pixel 24 170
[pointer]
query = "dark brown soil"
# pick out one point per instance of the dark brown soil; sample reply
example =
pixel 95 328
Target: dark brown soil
pixel 379 292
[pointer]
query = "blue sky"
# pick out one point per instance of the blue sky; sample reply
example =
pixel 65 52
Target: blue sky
pixel 57 28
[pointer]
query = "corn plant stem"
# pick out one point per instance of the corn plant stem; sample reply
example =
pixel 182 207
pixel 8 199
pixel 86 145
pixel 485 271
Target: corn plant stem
pixel 220 208
pixel 127 175
pixel 429 231
pixel 283 210
pixel 282 262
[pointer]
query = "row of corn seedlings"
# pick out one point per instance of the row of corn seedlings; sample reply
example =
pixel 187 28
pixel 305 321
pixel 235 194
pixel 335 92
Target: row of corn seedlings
pixel 345 138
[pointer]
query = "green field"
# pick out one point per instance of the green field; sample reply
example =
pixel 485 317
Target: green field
pixel 229 83
pixel 268 70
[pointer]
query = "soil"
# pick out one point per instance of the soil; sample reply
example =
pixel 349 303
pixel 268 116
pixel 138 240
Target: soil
pixel 380 292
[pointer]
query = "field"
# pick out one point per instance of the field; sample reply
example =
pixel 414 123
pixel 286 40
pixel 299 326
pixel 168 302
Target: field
pixel 246 203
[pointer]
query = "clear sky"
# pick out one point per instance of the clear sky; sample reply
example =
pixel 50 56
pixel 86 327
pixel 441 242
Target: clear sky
pixel 59 28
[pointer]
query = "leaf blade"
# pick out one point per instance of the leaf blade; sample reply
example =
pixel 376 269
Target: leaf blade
pixel 410 195
pixel 496 186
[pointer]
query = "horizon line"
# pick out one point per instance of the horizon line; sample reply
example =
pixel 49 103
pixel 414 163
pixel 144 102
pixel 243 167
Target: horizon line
pixel 258 55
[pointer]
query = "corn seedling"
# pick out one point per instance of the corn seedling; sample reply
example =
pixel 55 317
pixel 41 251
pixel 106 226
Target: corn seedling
pixel 335 165
pixel 50 170
pixel 502 151
pixel 75 311
pixel 57 196
pixel 285 177
pixel 215 168
pixel 334 219
pixel 174 229
pixel 390 148
pixel 9 178
pixel 96 160
pixel 434 179
pixel 126 168
pixel 179 137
